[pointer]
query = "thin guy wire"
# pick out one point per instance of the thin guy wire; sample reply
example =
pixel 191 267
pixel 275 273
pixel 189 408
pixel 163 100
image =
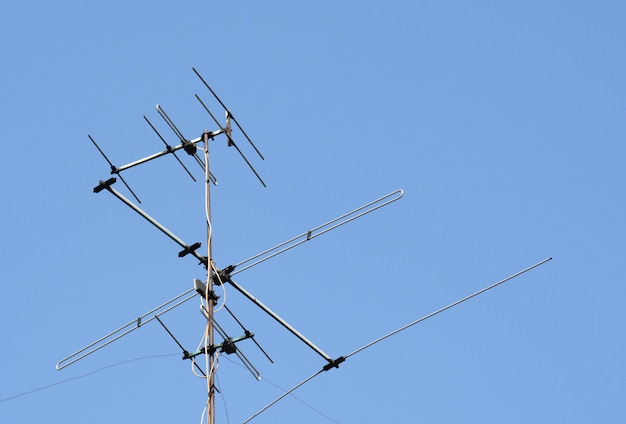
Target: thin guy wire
pixel 58 383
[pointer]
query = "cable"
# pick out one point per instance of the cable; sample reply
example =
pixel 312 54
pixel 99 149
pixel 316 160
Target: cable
pixel 222 285
pixel 312 408
pixel 223 398
pixel 203 412
pixel 85 375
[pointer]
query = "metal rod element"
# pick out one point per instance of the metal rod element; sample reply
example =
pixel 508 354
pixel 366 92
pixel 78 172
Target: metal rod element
pixel 244 329
pixel 169 148
pixel 171 335
pixel 227 110
pixel 319 230
pixel 231 142
pixel 189 147
pixel 185 353
pixel 208 111
pixel 432 314
pixel 186 248
pixel 246 363
pixel 159 154
pixel 335 363
pixel 114 169
pixel 169 122
pixel 280 320
pixel 119 333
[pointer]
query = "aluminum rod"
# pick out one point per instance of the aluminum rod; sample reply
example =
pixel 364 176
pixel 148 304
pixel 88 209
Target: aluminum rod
pixel 280 320
pixel 185 353
pixel 154 222
pixel 169 122
pixel 448 307
pixel 117 334
pixel 163 153
pixel 244 329
pixel 114 169
pixel 319 230
pixel 169 148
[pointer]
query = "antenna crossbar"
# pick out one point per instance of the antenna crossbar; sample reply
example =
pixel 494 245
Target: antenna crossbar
pixel 226 277
pixel 187 249
pixel 164 152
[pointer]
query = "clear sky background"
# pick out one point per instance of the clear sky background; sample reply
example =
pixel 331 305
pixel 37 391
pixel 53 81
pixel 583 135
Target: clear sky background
pixel 504 124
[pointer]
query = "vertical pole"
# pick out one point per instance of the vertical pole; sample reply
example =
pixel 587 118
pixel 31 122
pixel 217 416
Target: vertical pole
pixel 209 286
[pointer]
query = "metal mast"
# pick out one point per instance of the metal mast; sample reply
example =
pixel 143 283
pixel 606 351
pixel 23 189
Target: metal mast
pixel 209 292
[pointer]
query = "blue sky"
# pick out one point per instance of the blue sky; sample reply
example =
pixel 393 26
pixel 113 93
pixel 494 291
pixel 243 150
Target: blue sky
pixel 503 123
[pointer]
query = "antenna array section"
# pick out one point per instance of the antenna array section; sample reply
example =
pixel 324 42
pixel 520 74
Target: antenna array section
pixel 211 346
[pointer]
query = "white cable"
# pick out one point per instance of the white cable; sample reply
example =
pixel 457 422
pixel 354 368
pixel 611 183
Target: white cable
pixel 203 412
pixel 221 284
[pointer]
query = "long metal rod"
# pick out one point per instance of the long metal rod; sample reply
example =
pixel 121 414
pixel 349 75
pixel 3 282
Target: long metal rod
pixel 185 353
pixel 212 358
pixel 319 230
pixel 336 362
pixel 154 222
pixel 280 320
pixel 116 334
pixel 163 153
pixel 245 330
pixel 114 169
pixel 169 148
pixel 432 314
pixel 169 122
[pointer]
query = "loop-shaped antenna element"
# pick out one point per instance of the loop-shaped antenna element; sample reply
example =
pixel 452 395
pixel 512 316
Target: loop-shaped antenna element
pixel 125 329
pixel 335 363
pixel 319 230
pixel 229 112
pixel 169 148
pixel 231 142
pixel 114 169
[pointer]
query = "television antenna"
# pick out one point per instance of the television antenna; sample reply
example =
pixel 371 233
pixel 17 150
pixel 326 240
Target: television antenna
pixel 209 348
